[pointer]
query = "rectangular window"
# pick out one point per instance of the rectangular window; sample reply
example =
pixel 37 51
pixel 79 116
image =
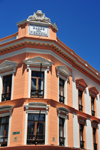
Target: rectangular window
pixel 61 91
pixel 80 100
pixel 6 92
pixel 37 84
pixel 81 127
pixel 92 106
pixel 36 129
pixel 61 132
pixel 94 138
pixel 4 123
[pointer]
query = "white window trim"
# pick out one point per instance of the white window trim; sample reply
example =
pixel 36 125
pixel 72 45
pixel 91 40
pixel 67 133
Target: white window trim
pixel 36 112
pixel 7 68
pixel 64 71
pixel 66 111
pixel 4 108
pixel 36 61
pixel 45 81
pixel 1 83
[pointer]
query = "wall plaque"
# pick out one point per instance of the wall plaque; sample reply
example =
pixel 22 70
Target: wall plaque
pixel 38 30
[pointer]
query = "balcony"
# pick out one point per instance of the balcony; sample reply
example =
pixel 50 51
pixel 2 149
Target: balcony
pixel 93 113
pixel 6 96
pixel 61 141
pixel 3 141
pixel 95 146
pixel 37 93
pixel 61 99
pixel 35 139
pixel 80 107
pixel 82 144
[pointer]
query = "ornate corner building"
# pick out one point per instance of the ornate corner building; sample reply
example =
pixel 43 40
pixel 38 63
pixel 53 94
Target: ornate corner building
pixel 49 96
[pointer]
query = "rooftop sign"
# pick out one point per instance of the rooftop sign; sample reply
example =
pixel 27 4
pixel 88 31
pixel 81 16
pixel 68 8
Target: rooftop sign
pixel 38 30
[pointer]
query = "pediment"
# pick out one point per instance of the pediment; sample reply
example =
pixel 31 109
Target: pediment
pixel 63 110
pixel 6 107
pixel 93 91
pixel 81 84
pixel 36 61
pixel 64 70
pixel 7 65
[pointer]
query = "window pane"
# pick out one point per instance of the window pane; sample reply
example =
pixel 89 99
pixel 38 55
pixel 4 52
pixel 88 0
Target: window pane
pixel 61 127
pixel 40 128
pixel 1 130
pixel 3 120
pixel 40 84
pixel 7 130
pixel 31 128
pixel 33 84
pixel 61 91
pixel 36 117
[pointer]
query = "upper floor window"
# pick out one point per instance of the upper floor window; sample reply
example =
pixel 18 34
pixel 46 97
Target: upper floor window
pixel 36 129
pixel 61 90
pixel 80 100
pixel 92 106
pixel 37 84
pixel 93 93
pixel 95 137
pixel 4 123
pixel 63 75
pixel 81 85
pixel 7 70
pixel 6 92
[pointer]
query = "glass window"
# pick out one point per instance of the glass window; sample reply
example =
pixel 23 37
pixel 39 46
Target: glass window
pixel 37 84
pixel 4 124
pixel 61 91
pixel 6 93
pixel 80 100
pixel 81 135
pixel 36 129
pixel 61 131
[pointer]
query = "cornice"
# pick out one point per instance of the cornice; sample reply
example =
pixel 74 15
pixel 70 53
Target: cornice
pixel 55 46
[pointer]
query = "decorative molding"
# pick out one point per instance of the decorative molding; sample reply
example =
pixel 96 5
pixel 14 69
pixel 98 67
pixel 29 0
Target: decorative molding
pixel 7 66
pixel 6 108
pixel 81 84
pixel 82 119
pixel 62 110
pixel 94 123
pixel 93 92
pixel 63 70
pixel 36 61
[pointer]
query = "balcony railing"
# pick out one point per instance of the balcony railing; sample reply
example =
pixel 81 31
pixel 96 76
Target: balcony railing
pixel 3 141
pixel 82 144
pixel 62 141
pixel 61 99
pixel 37 93
pixel 35 139
pixel 6 96
pixel 93 113
pixel 80 107
pixel 95 146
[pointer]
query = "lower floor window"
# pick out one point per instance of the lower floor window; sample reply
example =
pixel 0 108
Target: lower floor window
pixel 4 123
pixel 61 132
pixel 36 129
pixel 81 136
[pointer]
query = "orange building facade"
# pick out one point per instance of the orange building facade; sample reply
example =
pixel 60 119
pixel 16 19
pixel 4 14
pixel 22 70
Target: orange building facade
pixel 50 97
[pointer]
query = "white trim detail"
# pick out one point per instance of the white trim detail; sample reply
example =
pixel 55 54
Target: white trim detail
pixel 66 111
pixel 7 68
pixel 36 61
pixel 5 108
pixel 39 106
pixel 62 70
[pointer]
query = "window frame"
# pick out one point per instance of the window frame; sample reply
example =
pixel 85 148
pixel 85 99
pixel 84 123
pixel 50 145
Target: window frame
pixel 1 83
pixel 45 112
pixel 62 113
pixel 7 108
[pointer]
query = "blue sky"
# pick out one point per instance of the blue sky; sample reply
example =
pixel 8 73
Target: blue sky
pixel 78 22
